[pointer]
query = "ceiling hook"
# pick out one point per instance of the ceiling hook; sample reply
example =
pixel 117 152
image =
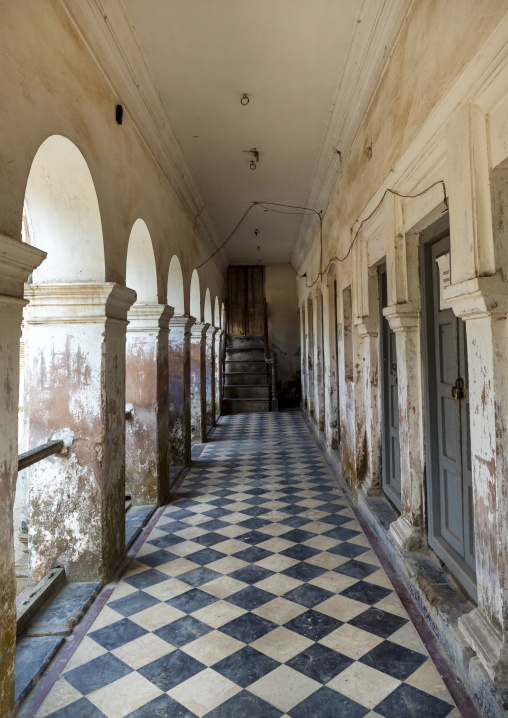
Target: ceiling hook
pixel 245 99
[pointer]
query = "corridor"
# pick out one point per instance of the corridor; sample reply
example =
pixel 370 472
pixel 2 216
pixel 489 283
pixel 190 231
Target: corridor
pixel 256 595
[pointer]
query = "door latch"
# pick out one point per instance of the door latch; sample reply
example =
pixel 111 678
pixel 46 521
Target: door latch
pixel 458 390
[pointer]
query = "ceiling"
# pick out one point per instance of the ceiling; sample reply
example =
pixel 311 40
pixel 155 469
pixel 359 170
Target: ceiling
pixel 309 68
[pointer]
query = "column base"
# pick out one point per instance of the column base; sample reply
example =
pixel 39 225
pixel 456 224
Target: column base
pixel 407 537
pixel 370 486
pixel 489 643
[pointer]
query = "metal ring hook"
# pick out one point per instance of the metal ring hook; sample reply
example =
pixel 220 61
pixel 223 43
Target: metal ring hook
pixel 245 99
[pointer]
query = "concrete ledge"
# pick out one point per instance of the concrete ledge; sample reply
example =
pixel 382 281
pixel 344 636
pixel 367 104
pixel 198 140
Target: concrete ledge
pixel 31 599
pixel 33 656
pixel 65 610
pixel 135 518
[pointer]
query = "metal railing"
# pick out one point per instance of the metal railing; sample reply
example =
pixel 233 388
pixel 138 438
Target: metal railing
pixel 40 452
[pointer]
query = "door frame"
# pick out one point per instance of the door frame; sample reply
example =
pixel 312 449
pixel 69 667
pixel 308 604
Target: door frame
pixel 457 565
pixel 385 454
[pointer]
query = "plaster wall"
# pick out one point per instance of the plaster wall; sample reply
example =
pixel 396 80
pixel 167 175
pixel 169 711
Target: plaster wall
pixel 284 329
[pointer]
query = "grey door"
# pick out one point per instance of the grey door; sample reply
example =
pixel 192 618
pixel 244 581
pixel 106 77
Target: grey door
pixel 390 401
pixel 451 491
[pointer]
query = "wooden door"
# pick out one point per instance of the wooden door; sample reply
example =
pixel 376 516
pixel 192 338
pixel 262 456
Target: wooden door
pixel 246 301
pixel 390 401
pixel 450 495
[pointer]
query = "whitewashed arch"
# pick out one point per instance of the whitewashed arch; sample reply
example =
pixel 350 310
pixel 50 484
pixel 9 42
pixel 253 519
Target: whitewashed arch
pixel 176 294
pixel 208 308
pixel 141 272
pixel 195 296
pixel 63 215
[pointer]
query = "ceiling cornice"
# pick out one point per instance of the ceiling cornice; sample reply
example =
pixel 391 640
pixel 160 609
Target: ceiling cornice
pixel 102 23
pixel 370 48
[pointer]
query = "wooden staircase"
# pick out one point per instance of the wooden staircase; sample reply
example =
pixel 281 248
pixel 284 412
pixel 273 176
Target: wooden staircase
pixel 246 376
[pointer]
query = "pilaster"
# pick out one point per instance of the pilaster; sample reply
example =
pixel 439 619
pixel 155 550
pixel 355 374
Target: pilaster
pixel 76 381
pixel 198 382
pixel 179 391
pixel 210 376
pixel 146 391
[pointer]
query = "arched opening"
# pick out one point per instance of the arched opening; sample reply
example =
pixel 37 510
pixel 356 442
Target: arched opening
pixel 332 320
pixel 208 308
pixel 176 295
pixel 146 475
pixel 195 296
pixel 72 377
pixel 216 314
pixel 141 272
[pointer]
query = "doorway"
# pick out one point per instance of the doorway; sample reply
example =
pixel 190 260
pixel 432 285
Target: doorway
pixel 246 294
pixel 449 479
pixel 390 400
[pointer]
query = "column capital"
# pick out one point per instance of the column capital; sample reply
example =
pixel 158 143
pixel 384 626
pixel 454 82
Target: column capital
pixel 402 317
pixel 367 326
pixel 90 302
pixel 489 643
pixel 149 317
pixel 17 262
pixel 199 329
pixel 479 298
pixel 211 331
pixel 183 322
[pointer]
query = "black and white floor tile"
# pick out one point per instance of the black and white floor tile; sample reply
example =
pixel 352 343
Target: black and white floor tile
pixel 257 595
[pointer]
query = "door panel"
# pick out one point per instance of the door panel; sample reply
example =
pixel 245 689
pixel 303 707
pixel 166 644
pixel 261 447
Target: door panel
pixel 390 402
pixel 246 301
pixel 450 476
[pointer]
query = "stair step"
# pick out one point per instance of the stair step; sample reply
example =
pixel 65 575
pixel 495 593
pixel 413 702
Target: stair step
pixel 245 343
pixel 245 354
pixel 249 367
pixel 245 378
pixel 246 392
pixel 244 406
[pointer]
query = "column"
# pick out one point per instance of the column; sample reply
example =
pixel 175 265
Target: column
pixel 210 376
pixel 76 335
pixel 198 382
pixel 18 260
pixel 146 396
pixel 319 398
pixel 369 331
pixel 303 360
pixel 179 392
pixel 219 338
pixel 331 380
pixel 483 304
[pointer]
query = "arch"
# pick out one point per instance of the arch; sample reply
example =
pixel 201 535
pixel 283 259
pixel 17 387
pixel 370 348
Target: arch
pixel 63 214
pixel 176 294
pixel 208 308
pixel 195 296
pixel 141 272
pixel 217 317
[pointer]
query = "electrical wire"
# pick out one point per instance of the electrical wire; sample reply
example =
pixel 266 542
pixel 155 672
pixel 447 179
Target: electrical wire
pixel 306 210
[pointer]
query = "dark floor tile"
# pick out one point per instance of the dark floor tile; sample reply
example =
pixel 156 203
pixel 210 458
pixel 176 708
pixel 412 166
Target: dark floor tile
pixel 295 522
pixel 173 526
pixel 133 603
pixel 298 535
pixel 251 574
pixel 183 631
pixel 162 707
pixel 245 666
pixel 171 670
pixel 205 556
pixel 117 634
pixel 245 705
pixel 79 709
pixel 191 601
pixel 257 491
pixel 97 673
pixel 198 576
pixel 255 501
pixel 380 623
pixel 250 598
pixel 308 595
pixel 313 625
pixel 248 628
pixel 320 663
pixel 349 550
pixel 213 525
pixel 217 513
pixel 209 539
pixel 253 554
pixel 146 578
pixel 304 571
pixel 158 558
pixel 253 537
pixel 33 655
pixel 366 592
pixel 166 541
pixel 325 703
pixel 412 703
pixel 254 523
pixel 178 514
pixel 356 569
pixel 397 661
pixel 342 534
pixel 300 552
pixel 335 519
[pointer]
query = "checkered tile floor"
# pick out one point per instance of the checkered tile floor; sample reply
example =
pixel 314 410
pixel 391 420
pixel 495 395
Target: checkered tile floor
pixel 257 595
